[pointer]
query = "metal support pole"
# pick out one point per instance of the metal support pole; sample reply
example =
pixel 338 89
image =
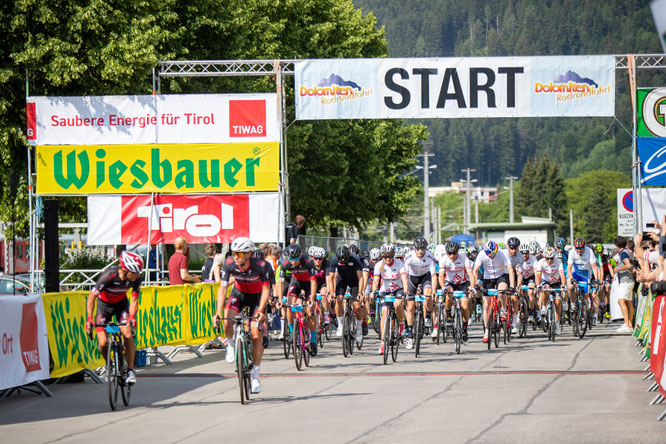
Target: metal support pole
pixel 511 179
pixel 571 231
pixel 476 211
pixel 426 197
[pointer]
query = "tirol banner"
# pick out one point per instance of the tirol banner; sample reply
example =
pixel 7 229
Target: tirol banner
pixel 168 168
pixel 652 154
pixel 654 209
pixel 549 86
pixel 114 220
pixel 24 356
pixel 173 315
pixel 116 120
pixel 651 112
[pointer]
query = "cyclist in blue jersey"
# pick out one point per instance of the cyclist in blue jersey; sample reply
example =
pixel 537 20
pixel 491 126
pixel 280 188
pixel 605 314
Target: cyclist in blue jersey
pixel 582 267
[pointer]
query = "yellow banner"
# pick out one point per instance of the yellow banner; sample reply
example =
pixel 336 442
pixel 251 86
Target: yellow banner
pixel 164 168
pixel 171 315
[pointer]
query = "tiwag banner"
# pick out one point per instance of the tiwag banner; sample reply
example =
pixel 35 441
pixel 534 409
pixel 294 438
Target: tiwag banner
pixel 650 111
pixel 654 209
pixel 115 220
pixel 188 118
pixel 559 86
pixel 168 168
pixel 24 356
pixel 652 154
pixel 658 338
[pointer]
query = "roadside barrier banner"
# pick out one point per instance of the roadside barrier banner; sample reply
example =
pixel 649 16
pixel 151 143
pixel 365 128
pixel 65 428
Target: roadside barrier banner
pixel 24 354
pixel 170 315
pixel 658 347
pixel 640 311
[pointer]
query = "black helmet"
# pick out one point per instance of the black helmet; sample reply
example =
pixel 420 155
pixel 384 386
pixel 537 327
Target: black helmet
pixel 513 242
pixel 353 249
pixel 420 244
pixel 342 253
pixel 293 251
pixel 365 254
pixel 472 253
pixel 259 253
pixel 451 247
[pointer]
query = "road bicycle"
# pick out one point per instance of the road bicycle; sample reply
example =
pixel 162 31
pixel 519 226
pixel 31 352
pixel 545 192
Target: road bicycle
pixel 551 315
pixel 507 322
pixel 116 367
pixel 494 323
pixel 349 326
pixel 300 337
pixel 286 337
pixel 581 314
pixel 523 312
pixel 419 321
pixel 243 362
pixel 320 326
pixel 441 318
pixel 392 336
pixel 458 318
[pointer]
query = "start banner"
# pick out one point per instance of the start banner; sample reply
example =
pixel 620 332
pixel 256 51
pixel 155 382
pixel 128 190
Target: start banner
pixel 452 88
pixel 115 220
pixel 169 118
pixel 169 168
pixel 24 353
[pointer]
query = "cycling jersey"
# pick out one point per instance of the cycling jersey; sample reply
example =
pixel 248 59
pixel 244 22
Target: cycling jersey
pixel 390 275
pixel 418 266
pixel 526 267
pixel 320 274
pixel 111 289
pixel 492 268
pixel 302 272
pixel 346 271
pixel 550 273
pixel 456 271
pixel 582 264
pixel 514 260
pixel 365 265
pixel 250 281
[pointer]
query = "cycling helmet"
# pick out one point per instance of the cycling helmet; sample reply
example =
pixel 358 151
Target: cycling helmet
pixel 353 249
pixel 365 254
pixel 524 249
pixel 472 253
pixel 375 254
pixel 317 253
pixel 342 253
pixel 452 247
pixel 599 249
pixel 293 251
pixel 439 251
pixel 560 243
pixel 244 245
pixel 534 247
pixel 491 247
pixel 431 247
pixel 549 253
pixel 579 242
pixel 400 252
pixel 259 253
pixel 388 248
pixel 558 255
pixel 513 242
pixel 311 250
pixel 131 262
pixel 420 244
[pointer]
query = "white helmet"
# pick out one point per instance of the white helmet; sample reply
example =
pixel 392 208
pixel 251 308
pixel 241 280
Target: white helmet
pixel 316 252
pixel 440 251
pixel 311 251
pixel 534 247
pixel 388 248
pixel 375 254
pixel 242 245
pixel 131 262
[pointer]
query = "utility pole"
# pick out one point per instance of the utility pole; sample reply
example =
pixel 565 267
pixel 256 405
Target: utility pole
pixel 467 210
pixel 426 198
pixel 476 215
pixel 511 179
pixel 571 225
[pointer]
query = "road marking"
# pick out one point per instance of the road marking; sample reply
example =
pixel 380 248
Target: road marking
pixel 393 374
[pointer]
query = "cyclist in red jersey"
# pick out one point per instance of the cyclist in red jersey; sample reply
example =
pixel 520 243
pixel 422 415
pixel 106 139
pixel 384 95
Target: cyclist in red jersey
pixel 111 294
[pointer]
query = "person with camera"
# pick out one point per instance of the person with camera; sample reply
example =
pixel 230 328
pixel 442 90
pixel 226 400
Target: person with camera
pixel 624 271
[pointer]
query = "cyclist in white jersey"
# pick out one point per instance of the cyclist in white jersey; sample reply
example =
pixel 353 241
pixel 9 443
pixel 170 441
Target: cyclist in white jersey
pixel 390 274
pixel 497 273
pixel 420 268
pixel 526 276
pixel 549 273
pixel 582 267
pixel 516 259
pixel 454 272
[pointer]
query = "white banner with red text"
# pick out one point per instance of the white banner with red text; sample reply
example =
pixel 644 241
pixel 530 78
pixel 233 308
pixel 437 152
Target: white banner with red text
pixel 171 118
pixel 217 218
pixel 453 88
pixel 24 352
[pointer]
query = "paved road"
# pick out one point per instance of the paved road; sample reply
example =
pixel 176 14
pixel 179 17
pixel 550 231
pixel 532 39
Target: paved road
pixel 588 390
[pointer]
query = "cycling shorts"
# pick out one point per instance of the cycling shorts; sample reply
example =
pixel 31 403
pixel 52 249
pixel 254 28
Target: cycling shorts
pixel 607 276
pixel 237 300
pixel 553 285
pixel 398 294
pixel 296 286
pixel 463 286
pixel 320 286
pixel 494 283
pixel 425 281
pixel 529 280
pixel 106 311
pixel 342 288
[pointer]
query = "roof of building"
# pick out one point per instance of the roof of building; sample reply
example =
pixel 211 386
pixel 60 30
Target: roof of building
pixel 488 226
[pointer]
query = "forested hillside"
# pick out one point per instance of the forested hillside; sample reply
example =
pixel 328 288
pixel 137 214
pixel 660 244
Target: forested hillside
pixel 500 147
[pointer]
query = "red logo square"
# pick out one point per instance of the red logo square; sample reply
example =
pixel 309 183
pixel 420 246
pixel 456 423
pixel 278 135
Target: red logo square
pixel 247 118
pixel 32 120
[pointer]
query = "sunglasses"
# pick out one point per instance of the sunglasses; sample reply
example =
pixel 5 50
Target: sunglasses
pixel 238 254
pixel 580 249
pixel 318 258
pixel 388 256
pixel 550 258
pixel 291 259
pixel 451 254
pixel 513 248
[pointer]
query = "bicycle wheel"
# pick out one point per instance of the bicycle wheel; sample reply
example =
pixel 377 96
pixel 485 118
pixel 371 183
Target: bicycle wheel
pixel 457 332
pixel 574 320
pixel 359 345
pixel 551 322
pixel 345 334
pixel 418 327
pixel 582 321
pixel 387 336
pixel 297 346
pixel 523 316
pixel 305 333
pixel 505 331
pixel 394 337
pixel 286 343
pixel 491 325
pixel 440 320
pixel 497 326
pixel 240 369
pixel 125 389
pixel 112 375
pixel 352 333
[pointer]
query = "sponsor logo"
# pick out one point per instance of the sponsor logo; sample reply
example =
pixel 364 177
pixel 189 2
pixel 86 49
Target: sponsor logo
pixel 655 165
pixel 334 89
pixel 29 343
pixel 571 86
pixel 189 219
pixel 31 111
pixel 247 118
pixel 654 112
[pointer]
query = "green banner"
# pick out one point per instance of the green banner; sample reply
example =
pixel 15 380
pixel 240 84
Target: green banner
pixel 651 112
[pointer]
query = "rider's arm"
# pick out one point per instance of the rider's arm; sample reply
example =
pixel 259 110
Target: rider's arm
pixel 537 278
pixel 134 304
pixel 366 279
pixel 90 304
pixel 512 277
pixel 222 292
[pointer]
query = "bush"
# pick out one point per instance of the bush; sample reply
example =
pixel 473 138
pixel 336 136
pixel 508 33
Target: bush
pixel 84 259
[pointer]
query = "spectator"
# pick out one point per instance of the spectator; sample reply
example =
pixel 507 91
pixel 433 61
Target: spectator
pixel 295 230
pixel 218 263
pixel 273 256
pixel 208 265
pixel 624 271
pixel 178 273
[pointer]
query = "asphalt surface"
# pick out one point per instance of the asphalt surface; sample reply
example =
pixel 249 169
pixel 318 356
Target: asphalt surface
pixel 590 390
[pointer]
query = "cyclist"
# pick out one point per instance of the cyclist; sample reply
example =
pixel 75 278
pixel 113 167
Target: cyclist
pixel 497 273
pixel 260 253
pixel 111 291
pixel 512 255
pixel 400 253
pixel 251 289
pixel 559 248
pixel 606 275
pixel 550 274
pixel 303 279
pixel 526 276
pixel 420 268
pixel 375 255
pixel 364 259
pixel 535 249
pixel 582 267
pixel 454 272
pixel 321 266
pixel 346 272
pixel 390 274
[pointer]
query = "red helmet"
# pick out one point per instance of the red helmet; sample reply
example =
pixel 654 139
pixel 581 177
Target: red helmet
pixel 579 242
pixel 131 262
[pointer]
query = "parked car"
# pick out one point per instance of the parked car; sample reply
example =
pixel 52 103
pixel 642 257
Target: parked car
pixel 7 285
